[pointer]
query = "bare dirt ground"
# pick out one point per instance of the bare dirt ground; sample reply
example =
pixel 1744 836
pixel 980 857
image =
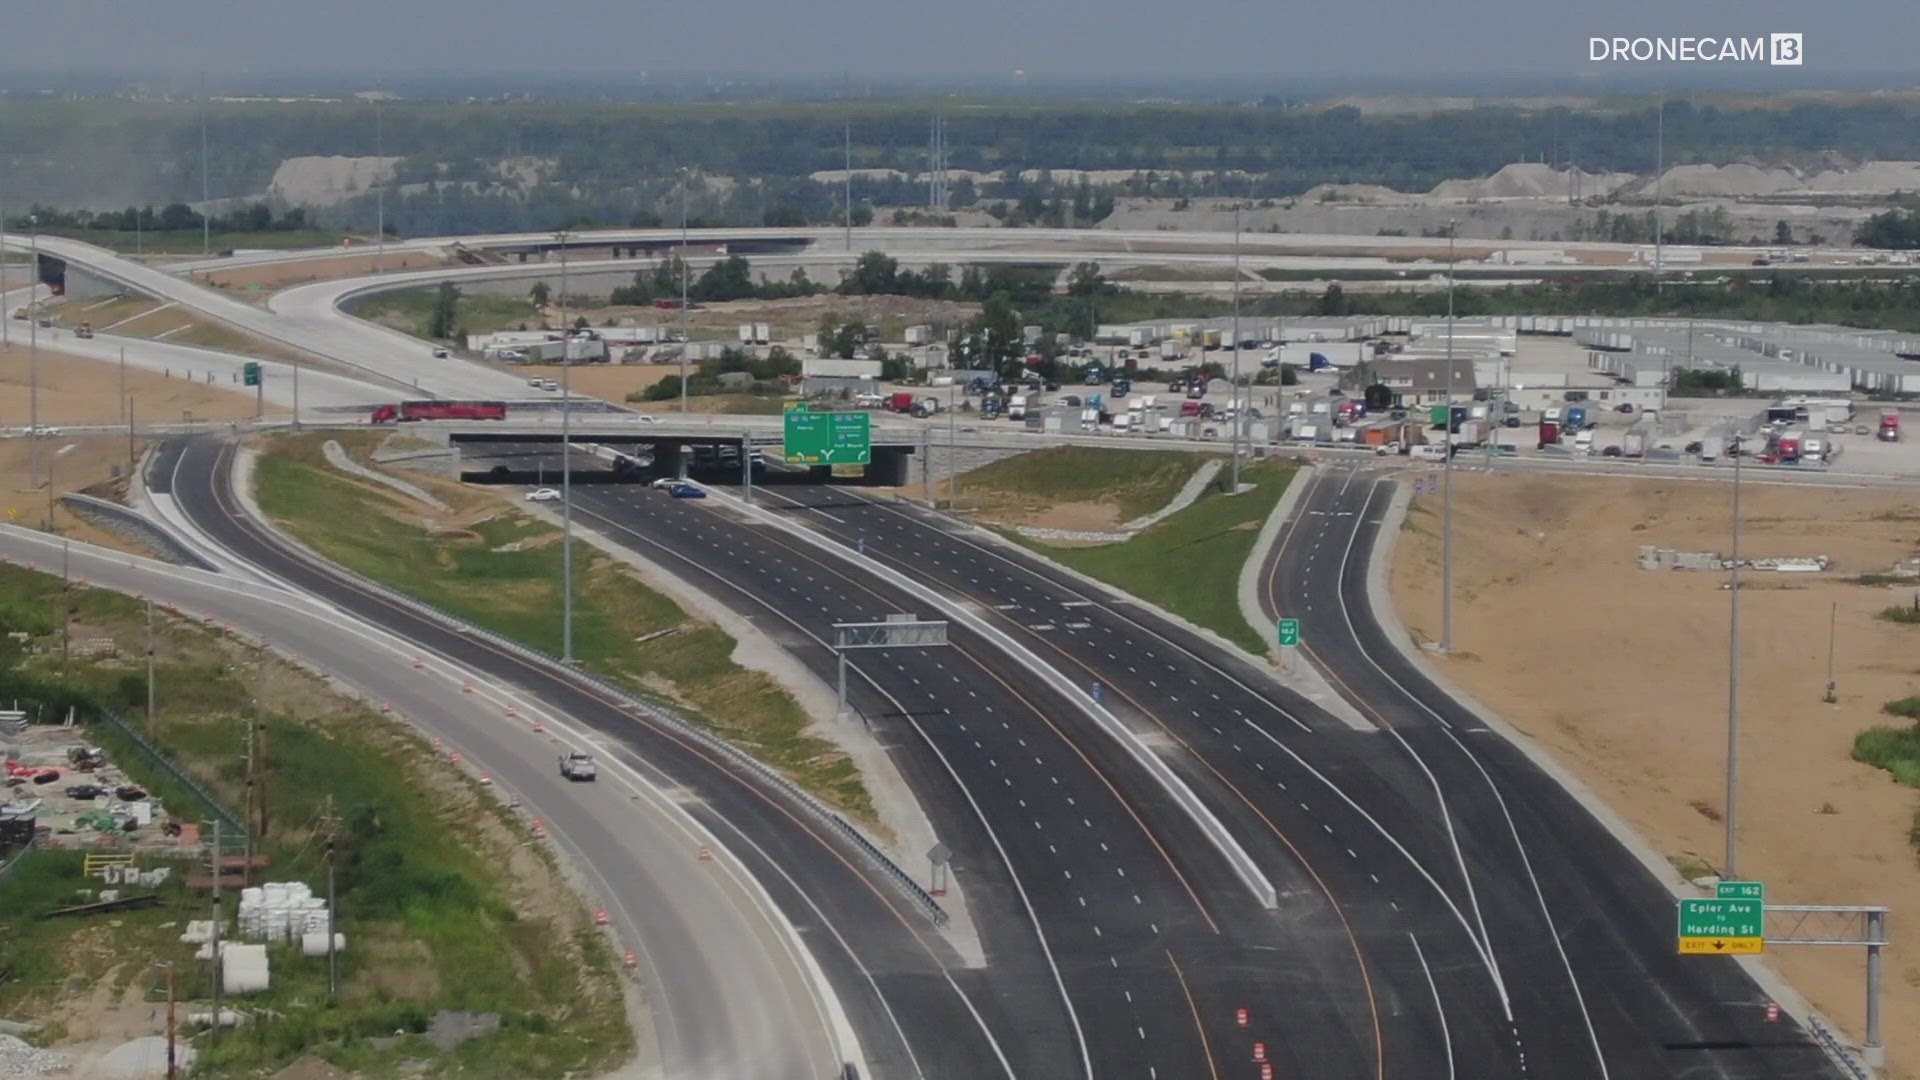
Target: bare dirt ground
pixel 1622 674
pixel 79 464
pixel 608 382
pixel 75 390
pixel 253 280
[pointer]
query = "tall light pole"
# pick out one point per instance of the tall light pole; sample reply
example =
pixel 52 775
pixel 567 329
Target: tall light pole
pixel 686 339
pixel 849 186
pixel 206 211
pixel 1233 401
pixel 6 317
pixel 380 198
pixel 566 461
pixel 1446 469
pixel 33 344
pixel 1733 679
pixel 1659 180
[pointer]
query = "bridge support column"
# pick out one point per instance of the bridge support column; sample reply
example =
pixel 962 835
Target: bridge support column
pixel 889 467
pixel 670 459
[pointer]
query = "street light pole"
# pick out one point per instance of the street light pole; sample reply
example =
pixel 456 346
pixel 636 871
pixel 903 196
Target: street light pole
pixel 566 462
pixel 953 451
pixel 1233 402
pixel 1446 489
pixel 33 345
pixel 686 341
pixel 1733 681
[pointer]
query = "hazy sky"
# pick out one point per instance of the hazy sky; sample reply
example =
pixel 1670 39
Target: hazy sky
pixel 908 37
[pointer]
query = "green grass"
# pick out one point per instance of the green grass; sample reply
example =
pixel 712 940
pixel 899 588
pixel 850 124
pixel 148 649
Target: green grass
pixel 1136 481
pixel 517 594
pixel 1884 579
pixel 1908 707
pixel 431 890
pixel 1190 563
pixel 1896 750
pixel 724 404
pixel 408 310
pixel 1902 613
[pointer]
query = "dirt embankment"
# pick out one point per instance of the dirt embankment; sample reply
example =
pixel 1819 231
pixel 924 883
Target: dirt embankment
pixel 1622 674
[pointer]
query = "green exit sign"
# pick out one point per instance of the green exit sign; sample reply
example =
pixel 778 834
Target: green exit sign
pixel 1289 633
pixel 827 438
pixel 1741 890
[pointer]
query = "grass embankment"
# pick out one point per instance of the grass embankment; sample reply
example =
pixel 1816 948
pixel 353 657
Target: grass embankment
pixel 1134 482
pixel 1190 563
pixel 410 311
pixel 444 901
pixel 501 570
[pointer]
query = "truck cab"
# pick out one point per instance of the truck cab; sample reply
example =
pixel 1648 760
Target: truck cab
pixel 578 767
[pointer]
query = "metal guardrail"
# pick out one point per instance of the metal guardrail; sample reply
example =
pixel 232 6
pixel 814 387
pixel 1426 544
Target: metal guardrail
pixel 233 834
pixel 1837 1050
pixel 681 725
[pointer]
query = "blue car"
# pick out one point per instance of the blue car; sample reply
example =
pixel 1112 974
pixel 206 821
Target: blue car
pixel 686 491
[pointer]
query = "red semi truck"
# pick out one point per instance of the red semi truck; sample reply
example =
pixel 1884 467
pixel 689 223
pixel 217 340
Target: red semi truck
pixel 439 410
pixel 1889 427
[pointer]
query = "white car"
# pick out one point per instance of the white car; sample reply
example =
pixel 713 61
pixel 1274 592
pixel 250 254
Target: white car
pixel 549 384
pixel 42 430
pixel 665 482
pixel 543 495
pixel 646 418
pixel 510 355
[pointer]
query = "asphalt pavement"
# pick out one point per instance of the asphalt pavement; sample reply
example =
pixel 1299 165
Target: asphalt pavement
pixel 725 994
pixel 1572 918
pixel 916 1011
pixel 1094 895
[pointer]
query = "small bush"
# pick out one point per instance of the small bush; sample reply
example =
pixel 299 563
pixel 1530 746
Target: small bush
pixel 1908 707
pixel 1902 614
pixel 1896 750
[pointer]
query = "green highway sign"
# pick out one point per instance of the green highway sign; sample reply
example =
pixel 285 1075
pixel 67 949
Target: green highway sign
pixel 250 373
pixel 827 438
pixel 1722 927
pixel 1289 632
pixel 1742 890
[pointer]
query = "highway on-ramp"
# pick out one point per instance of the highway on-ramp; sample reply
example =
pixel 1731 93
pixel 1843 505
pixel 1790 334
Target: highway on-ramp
pixel 725 993
pixel 1582 927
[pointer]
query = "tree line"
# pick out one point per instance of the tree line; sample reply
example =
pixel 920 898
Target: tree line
pixel 174 217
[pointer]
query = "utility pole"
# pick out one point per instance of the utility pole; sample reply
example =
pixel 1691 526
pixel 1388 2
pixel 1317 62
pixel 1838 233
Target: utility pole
pixel 1833 631
pixel 379 196
pixel 296 394
pixel 746 465
pixel 1659 179
pixel 1446 469
pixel 206 210
pixel 1733 681
pixel 849 187
pixel 953 450
pixel 150 717
pixel 173 1025
pixel 1239 408
pixel 66 603
pixel 330 824
pixel 566 462
pixel 123 379
pixel 130 450
pixel 219 917
pixel 246 804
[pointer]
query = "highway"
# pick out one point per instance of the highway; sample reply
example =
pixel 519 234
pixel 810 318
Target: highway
pixel 1571 915
pixel 726 995
pixel 1548 957
pixel 916 1011
pixel 1076 868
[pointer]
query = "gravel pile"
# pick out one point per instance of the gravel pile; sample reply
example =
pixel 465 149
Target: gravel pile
pixel 19 1059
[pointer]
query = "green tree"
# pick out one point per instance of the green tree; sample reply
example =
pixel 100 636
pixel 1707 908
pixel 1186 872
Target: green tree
pixel 1782 232
pixel 1334 301
pixel 442 321
pixel 729 279
pixel 841 336
pixel 538 294
pixel 876 273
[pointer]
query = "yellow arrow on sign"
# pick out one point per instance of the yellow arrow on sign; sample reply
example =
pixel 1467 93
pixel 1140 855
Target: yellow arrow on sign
pixel 1722 946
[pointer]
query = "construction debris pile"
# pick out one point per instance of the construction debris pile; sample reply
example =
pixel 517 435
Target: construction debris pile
pixel 282 911
pixel 18 1058
pixel 1659 558
pixel 67 793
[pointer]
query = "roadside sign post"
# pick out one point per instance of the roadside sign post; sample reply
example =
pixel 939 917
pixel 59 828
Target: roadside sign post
pixel 826 438
pixel 1288 633
pixel 1722 927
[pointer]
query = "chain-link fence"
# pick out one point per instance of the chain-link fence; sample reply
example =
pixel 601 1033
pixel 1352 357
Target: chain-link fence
pixel 233 835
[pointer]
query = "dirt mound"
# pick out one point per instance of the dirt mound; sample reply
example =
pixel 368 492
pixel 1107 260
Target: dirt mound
pixel 1531 180
pixel 1871 178
pixel 1734 179
pixel 1359 193
pixel 324 181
